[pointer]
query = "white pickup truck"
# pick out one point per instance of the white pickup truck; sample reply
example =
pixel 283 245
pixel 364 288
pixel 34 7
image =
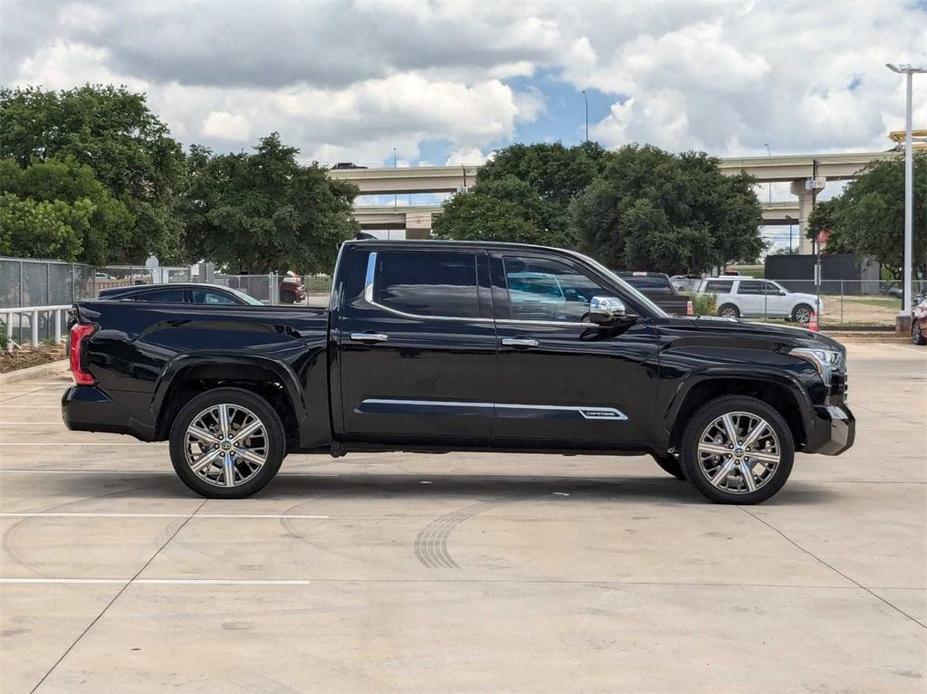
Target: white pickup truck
pixel 740 296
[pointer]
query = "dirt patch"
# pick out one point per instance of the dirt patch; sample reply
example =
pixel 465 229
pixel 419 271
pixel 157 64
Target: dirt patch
pixel 26 357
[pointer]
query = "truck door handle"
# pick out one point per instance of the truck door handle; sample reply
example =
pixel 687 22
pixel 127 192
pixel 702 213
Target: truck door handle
pixel 520 342
pixel 369 337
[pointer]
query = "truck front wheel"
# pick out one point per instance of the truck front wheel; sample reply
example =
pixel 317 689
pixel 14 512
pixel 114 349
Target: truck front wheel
pixel 670 464
pixel 227 443
pixel 737 450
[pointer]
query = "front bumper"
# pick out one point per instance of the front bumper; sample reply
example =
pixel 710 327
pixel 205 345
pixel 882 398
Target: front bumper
pixel 831 431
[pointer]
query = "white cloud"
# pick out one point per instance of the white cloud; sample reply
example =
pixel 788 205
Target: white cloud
pixel 351 81
pixel 62 64
pixel 226 126
pixel 470 155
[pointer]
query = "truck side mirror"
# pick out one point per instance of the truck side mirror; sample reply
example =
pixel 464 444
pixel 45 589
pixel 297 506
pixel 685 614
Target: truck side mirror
pixel 606 310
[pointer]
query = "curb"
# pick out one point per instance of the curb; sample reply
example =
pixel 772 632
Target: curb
pixel 865 336
pixel 49 369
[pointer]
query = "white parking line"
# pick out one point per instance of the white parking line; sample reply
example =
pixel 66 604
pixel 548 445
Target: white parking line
pixel 134 473
pixel 165 581
pixel 128 473
pixel 71 443
pixel 912 350
pixel 252 516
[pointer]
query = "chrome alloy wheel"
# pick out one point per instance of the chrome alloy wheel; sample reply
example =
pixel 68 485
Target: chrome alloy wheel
pixel 803 314
pixel 226 445
pixel 739 452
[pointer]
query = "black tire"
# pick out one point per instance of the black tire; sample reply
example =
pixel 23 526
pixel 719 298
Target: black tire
pixel 916 336
pixel 730 404
pixel 671 465
pixel 729 310
pixel 261 409
pixel 802 313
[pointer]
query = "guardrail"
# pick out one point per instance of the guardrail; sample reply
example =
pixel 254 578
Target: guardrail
pixel 52 316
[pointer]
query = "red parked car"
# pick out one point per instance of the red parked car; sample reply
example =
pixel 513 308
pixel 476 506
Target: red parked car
pixel 919 322
pixel 292 290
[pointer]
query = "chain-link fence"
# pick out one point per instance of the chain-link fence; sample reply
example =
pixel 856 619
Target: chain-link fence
pixel 26 283
pixel 838 304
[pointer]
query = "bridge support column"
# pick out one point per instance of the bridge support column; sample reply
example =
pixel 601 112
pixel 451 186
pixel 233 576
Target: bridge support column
pixel 418 225
pixel 805 202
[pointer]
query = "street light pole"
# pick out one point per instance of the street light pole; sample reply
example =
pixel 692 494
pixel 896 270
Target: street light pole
pixel 901 323
pixel 769 185
pixel 395 165
pixel 790 220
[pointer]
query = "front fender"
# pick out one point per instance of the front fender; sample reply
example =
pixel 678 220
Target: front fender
pixel 757 374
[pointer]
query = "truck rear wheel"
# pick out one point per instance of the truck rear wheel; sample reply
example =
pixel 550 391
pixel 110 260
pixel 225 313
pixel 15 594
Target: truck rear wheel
pixel 737 450
pixel 227 443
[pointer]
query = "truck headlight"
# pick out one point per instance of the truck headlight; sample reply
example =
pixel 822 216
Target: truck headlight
pixel 825 361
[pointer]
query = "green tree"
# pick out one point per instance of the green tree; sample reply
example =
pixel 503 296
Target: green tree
pixel 653 210
pixel 111 130
pixel 867 218
pixel 264 212
pixel 523 194
pixel 42 229
pixel 506 209
pixel 107 230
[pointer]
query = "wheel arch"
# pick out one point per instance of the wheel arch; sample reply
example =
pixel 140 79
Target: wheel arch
pixel 778 391
pixel 186 378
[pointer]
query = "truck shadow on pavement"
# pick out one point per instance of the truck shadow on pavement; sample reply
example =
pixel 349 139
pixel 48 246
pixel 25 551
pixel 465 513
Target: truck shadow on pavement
pixel 307 487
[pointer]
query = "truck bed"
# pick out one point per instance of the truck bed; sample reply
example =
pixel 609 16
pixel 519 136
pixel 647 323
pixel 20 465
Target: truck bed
pixel 142 349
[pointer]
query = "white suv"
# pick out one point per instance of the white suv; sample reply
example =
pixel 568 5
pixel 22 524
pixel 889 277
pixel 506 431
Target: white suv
pixel 739 296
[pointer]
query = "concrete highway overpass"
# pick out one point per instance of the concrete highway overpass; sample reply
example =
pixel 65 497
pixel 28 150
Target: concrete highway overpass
pixel 417 219
pixel 807 174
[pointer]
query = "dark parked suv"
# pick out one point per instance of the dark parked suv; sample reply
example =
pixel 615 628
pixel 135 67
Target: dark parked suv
pixel 444 346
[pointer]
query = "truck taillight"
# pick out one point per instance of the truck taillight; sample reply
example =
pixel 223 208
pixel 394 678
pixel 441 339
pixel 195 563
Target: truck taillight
pixel 690 310
pixel 79 332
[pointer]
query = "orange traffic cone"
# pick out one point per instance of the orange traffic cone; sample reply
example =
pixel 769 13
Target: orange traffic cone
pixel 813 322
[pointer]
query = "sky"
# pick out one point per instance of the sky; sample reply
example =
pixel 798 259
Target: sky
pixel 449 82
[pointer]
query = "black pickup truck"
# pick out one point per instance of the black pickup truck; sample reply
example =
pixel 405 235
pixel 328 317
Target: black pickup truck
pixel 450 346
pixel 657 287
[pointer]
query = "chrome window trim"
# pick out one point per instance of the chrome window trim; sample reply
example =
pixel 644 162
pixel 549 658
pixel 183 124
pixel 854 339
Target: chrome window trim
pixel 368 298
pixel 612 414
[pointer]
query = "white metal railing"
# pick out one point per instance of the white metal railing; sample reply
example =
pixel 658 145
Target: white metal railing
pixel 34 313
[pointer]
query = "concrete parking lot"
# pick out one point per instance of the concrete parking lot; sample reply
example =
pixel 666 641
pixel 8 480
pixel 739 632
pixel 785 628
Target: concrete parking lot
pixel 465 572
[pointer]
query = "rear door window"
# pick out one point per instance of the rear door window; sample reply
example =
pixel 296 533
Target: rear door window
pixel 719 286
pixel 440 284
pixel 751 287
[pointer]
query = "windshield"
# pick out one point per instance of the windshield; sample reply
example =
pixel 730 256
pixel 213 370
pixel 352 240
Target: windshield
pixel 640 298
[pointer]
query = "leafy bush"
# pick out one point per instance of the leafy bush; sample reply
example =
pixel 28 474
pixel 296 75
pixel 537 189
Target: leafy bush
pixel 3 343
pixel 704 304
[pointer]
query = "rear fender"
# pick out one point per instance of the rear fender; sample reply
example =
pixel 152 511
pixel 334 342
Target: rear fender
pixel 234 367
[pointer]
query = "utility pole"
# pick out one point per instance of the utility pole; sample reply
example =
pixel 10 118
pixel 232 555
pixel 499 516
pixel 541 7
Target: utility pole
pixel 902 322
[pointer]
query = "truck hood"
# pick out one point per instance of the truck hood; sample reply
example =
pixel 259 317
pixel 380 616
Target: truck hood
pixel 712 325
